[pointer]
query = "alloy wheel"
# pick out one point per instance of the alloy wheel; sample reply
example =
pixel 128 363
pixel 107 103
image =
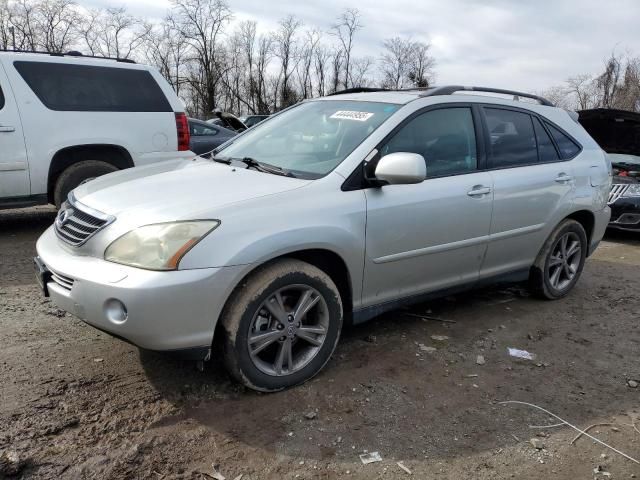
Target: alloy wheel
pixel 564 261
pixel 288 330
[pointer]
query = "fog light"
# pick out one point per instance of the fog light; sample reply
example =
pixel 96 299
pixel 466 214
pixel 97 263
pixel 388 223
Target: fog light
pixel 115 311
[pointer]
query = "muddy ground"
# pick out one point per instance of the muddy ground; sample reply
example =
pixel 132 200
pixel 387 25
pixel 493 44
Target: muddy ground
pixel 76 403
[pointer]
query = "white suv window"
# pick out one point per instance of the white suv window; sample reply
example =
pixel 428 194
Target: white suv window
pixel 445 138
pixel 90 88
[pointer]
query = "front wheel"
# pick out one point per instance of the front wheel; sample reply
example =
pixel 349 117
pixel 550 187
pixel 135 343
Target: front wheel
pixel 560 262
pixel 281 325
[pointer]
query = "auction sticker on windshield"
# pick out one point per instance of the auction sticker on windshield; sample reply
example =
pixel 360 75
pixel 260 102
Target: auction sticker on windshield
pixel 352 115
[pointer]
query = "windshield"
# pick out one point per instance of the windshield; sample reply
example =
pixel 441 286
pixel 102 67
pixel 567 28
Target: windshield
pixel 312 138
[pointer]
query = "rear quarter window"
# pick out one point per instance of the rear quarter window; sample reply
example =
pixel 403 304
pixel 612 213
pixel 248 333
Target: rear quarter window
pixel 1 98
pixel 567 147
pixel 89 88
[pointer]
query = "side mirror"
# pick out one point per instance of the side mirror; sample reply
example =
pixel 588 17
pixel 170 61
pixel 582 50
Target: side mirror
pixel 401 168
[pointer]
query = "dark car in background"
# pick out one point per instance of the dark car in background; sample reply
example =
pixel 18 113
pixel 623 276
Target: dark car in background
pixel 618 133
pixel 205 136
pixel 228 121
pixel 251 120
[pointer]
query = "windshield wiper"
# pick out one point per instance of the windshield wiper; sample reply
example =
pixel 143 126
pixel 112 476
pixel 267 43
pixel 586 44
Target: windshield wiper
pixel 226 161
pixel 264 167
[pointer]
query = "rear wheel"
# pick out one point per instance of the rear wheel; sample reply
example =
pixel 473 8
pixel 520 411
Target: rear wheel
pixel 560 262
pixel 77 174
pixel 281 325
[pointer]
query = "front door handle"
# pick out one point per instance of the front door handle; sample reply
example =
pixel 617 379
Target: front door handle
pixel 478 191
pixel 7 129
pixel 563 178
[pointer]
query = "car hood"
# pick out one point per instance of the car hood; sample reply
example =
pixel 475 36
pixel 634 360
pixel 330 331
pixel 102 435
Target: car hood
pixel 177 190
pixel 616 131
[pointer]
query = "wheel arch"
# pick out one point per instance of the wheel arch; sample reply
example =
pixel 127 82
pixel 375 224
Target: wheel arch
pixel 326 260
pixel 115 155
pixel 585 218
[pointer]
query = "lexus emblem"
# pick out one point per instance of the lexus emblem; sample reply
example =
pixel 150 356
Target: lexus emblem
pixel 63 217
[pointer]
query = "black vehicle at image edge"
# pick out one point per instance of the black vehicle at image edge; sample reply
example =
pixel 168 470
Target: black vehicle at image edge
pixel 618 133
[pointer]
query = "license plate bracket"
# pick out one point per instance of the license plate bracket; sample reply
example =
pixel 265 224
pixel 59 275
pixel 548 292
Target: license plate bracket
pixel 43 275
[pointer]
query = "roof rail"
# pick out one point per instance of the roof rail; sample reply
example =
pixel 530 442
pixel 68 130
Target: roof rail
pixel 451 89
pixel 358 90
pixel 72 53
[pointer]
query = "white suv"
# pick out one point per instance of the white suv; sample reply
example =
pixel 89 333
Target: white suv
pixel 65 119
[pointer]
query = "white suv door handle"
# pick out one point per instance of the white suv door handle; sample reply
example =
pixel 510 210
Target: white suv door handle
pixel 563 178
pixel 478 190
pixel 7 129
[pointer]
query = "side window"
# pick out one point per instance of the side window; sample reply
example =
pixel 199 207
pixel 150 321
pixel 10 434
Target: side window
pixel 91 88
pixel 445 138
pixel 198 129
pixel 546 150
pixel 1 99
pixel 568 148
pixel 512 140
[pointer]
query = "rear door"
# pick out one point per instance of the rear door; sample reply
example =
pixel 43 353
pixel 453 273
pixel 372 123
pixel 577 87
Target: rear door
pixel 433 235
pixel 533 187
pixel 14 168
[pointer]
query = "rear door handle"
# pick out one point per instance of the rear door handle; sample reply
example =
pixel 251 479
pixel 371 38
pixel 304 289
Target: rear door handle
pixel 7 129
pixel 478 191
pixel 563 178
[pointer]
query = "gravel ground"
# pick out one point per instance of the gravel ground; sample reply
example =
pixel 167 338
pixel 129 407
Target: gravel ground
pixel 76 403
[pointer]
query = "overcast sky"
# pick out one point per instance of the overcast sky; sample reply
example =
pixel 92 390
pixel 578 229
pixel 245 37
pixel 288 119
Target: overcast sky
pixel 518 44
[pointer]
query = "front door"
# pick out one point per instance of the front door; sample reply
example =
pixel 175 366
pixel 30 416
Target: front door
pixel 14 169
pixel 433 235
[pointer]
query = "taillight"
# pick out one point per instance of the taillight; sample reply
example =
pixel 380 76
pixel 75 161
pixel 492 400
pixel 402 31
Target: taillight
pixel 182 126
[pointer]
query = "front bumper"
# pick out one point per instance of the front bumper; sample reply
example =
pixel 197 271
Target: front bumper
pixel 625 214
pixel 175 310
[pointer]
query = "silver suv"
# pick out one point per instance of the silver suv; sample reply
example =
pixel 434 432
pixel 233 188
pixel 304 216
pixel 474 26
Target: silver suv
pixel 330 212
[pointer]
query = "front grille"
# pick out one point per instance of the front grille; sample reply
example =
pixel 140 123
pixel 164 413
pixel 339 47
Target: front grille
pixel 64 282
pixel 77 223
pixel 617 190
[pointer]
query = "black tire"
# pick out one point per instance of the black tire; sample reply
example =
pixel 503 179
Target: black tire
pixel 539 278
pixel 77 173
pixel 243 306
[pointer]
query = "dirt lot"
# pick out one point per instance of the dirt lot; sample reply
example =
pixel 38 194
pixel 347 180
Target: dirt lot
pixel 75 403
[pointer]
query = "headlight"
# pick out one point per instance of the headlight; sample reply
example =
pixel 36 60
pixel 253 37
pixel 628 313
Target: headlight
pixel 632 191
pixel 160 246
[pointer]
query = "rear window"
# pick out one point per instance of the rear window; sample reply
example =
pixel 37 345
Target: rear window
pixel 568 148
pixel 89 88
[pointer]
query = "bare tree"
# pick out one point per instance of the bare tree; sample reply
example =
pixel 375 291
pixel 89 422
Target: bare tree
pixel 395 62
pixel 582 88
pixel 22 20
pixel 320 64
pixel 166 49
pixel 559 95
pixel 113 32
pixel 307 56
pixel 57 22
pixel 201 23
pixel 608 82
pixel 421 65
pixel 345 29
pixel 286 49
pixel 360 69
